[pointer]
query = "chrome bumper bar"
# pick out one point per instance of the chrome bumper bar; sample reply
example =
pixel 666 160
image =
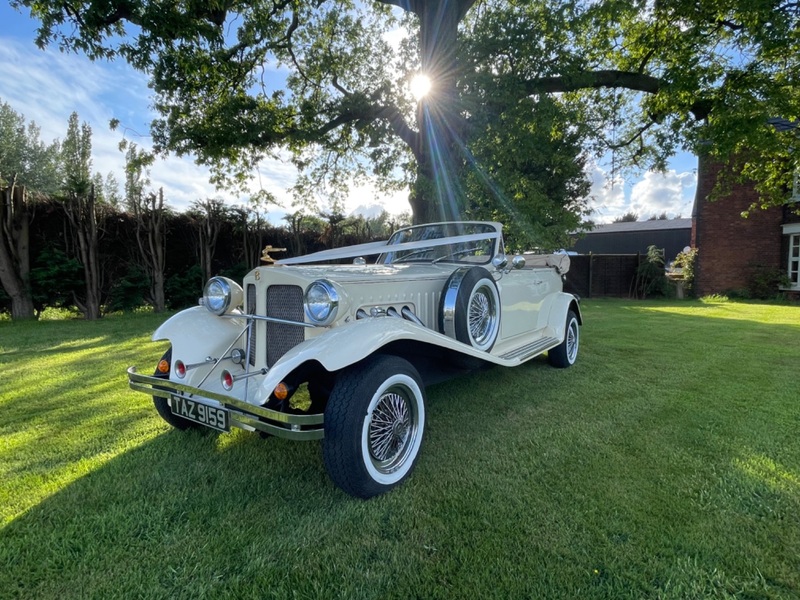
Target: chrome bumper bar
pixel 242 414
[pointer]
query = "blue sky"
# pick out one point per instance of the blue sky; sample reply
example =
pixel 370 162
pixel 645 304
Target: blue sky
pixel 46 86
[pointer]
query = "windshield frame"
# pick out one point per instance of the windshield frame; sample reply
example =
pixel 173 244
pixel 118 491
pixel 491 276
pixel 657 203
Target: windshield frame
pixel 459 242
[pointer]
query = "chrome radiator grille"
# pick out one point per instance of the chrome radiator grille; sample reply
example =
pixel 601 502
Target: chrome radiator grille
pixel 283 302
pixel 251 336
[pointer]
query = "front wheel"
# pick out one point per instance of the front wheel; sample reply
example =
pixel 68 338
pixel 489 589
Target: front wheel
pixel 566 353
pixel 374 423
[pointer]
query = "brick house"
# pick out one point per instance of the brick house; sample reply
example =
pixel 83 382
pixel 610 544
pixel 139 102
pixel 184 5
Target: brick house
pixel 730 247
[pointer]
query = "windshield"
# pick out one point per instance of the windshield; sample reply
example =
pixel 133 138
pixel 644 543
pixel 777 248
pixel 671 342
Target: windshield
pixel 469 243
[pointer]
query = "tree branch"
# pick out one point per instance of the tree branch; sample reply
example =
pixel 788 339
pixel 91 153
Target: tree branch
pixel 608 78
pixel 390 114
pixel 594 80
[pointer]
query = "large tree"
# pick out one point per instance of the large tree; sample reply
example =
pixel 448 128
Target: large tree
pixel 28 169
pixel 637 76
pixel 81 207
pixel 149 216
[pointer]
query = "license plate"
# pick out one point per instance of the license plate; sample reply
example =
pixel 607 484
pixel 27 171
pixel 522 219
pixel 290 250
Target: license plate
pixel 210 416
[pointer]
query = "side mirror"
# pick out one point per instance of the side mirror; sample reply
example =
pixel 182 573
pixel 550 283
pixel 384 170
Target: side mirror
pixel 518 261
pixel 500 262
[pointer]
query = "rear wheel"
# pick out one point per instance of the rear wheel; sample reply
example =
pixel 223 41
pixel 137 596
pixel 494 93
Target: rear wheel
pixel 566 353
pixel 374 423
pixel 162 406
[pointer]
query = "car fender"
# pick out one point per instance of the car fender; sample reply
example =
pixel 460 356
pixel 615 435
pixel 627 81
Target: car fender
pixel 196 334
pixel 560 305
pixel 346 345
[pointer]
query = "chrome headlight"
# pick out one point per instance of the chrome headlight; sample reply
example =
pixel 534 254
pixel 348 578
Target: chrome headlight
pixel 222 295
pixel 321 302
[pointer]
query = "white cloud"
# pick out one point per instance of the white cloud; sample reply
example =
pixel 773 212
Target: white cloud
pixel 607 195
pixel 669 192
pixel 652 194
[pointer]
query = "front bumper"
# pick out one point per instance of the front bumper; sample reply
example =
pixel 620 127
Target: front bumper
pixel 242 414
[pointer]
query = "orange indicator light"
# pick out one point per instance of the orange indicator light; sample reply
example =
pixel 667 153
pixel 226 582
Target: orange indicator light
pixel 281 391
pixel 163 366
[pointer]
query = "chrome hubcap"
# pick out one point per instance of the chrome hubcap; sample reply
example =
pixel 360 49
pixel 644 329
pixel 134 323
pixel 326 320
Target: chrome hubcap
pixel 392 430
pixel 572 341
pixel 482 316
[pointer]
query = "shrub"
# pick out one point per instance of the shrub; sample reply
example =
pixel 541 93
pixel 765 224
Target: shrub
pixel 764 283
pixel 55 279
pixel 128 293
pixel 650 277
pixel 182 290
pixel 686 262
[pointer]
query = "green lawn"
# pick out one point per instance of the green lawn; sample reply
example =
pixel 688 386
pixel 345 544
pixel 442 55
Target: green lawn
pixel 665 464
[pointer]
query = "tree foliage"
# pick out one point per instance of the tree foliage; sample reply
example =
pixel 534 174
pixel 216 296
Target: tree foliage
pixel 81 207
pixel 640 77
pixel 24 155
pixel 28 170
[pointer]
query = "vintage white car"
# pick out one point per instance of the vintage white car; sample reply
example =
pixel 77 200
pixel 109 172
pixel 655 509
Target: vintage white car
pixel 363 339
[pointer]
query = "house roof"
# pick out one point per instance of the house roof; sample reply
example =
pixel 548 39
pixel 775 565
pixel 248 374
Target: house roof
pixel 654 225
pixel 781 124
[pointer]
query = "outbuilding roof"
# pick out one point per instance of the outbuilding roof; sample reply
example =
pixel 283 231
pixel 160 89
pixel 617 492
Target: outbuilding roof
pixel 654 225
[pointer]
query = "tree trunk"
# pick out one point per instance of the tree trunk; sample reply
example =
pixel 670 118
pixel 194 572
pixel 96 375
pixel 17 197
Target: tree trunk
pixel 437 194
pixel 157 240
pixel 82 214
pixel 15 250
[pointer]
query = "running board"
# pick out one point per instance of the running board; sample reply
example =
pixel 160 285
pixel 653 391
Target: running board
pixel 531 349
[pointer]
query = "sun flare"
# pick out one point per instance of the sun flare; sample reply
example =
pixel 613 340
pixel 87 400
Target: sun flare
pixel 420 85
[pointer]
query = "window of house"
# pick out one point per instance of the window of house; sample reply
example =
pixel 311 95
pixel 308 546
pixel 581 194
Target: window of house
pixel 794 260
pixel 793 263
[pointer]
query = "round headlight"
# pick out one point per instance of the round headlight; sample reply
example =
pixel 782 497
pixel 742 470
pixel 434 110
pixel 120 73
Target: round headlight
pixel 221 295
pixel 321 302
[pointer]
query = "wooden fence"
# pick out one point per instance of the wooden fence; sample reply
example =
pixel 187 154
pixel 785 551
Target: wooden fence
pixel 596 275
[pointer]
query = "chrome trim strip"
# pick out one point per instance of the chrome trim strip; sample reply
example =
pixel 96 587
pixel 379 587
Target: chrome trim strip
pixel 449 302
pixel 165 388
pixel 245 422
pixel 530 349
pixel 273 320
pixel 409 315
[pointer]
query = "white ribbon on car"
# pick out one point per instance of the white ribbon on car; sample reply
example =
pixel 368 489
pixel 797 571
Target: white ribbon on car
pixel 373 248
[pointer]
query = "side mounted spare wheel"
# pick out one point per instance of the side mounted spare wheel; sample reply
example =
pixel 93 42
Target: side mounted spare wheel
pixel 470 308
pixel 374 423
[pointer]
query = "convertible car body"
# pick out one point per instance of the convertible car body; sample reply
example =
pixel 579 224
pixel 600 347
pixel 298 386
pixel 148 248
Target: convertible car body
pixel 362 339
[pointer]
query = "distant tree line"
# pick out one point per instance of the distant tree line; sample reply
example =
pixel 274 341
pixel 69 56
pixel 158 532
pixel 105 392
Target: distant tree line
pixel 69 238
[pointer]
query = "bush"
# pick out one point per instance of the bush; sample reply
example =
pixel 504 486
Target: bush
pixel 764 283
pixel 129 292
pixel 182 290
pixel 55 279
pixel 650 277
pixel 686 262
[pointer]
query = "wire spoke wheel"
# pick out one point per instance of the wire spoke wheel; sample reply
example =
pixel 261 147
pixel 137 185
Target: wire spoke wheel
pixel 566 353
pixel 482 315
pixel 374 424
pixel 391 430
pixel 572 341
pixel 469 310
